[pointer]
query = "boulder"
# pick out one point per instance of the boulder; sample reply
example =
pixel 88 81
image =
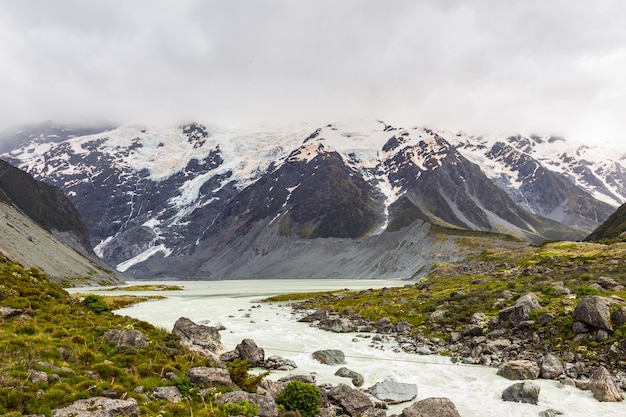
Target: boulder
pixel 280 364
pixel 120 337
pixel 329 357
pixel 431 407
pixel 357 378
pixel 204 337
pixel 604 387
pixel 170 394
pixel 99 407
pixel 594 311
pixel 519 369
pixel 202 375
pixel 9 312
pixel 522 392
pixel 393 392
pixel 317 315
pixel 384 325
pixel 521 310
pixel 608 283
pixel 551 367
pixel 472 330
pixel 267 406
pixel 549 413
pixel 618 317
pixel 351 401
pixel 337 325
pixel 248 349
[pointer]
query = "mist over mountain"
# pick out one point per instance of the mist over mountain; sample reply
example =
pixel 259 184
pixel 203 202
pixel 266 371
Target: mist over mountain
pixel 357 200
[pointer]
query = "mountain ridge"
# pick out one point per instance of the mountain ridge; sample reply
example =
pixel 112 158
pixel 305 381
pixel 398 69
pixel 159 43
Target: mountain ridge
pixel 153 194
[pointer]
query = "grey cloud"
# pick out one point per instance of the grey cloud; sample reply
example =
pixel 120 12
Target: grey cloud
pixel 481 66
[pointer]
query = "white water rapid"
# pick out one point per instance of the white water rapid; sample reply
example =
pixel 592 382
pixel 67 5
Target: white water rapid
pixel 475 390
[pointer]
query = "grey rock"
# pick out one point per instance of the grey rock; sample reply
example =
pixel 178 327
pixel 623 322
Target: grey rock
pixel 604 387
pixel 351 401
pixel 594 311
pixel 329 357
pixel 99 407
pixel 519 369
pixel 202 375
pixel 204 337
pixel 431 407
pixel 121 337
pixel 279 364
pixel 317 315
pixel 8 312
pixel 549 413
pixel 618 317
pixel 267 406
pixel 522 392
pixel 607 283
pixel 521 310
pixel 551 367
pixel 393 392
pixel 472 330
pixel 170 394
pixel 248 350
pixel 357 378
pixel 384 325
pixel 337 325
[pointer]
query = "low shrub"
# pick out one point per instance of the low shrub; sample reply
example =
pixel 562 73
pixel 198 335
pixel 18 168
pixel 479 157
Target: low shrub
pixel 301 397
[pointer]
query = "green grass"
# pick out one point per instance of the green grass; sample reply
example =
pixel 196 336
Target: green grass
pixel 61 336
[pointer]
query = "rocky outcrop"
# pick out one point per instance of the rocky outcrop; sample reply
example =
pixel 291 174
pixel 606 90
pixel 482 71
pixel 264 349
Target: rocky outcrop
pixel 393 392
pixel 431 407
pixel 204 340
pixel 329 357
pixel 267 406
pixel 357 378
pixel 522 392
pixel 594 311
pixel 604 387
pixel 99 407
pixel 121 337
pixel 519 369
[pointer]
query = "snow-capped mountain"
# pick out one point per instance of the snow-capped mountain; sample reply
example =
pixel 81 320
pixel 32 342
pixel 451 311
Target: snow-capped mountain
pixel 204 202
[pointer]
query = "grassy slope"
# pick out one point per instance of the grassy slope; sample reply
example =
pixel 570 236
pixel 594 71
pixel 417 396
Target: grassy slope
pixel 60 331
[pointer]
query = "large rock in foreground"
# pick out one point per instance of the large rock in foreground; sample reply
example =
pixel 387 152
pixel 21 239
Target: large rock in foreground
pixel 351 401
pixel 431 407
pixel 99 407
pixel 594 311
pixel 604 387
pixel 520 369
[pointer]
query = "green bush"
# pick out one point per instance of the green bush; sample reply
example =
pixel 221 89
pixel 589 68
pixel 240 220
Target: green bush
pixel 238 370
pixel 243 408
pixel 301 397
pixel 585 290
pixel 96 304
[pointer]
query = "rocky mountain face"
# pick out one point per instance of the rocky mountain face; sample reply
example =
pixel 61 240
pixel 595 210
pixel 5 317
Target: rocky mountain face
pixel 343 201
pixel 41 228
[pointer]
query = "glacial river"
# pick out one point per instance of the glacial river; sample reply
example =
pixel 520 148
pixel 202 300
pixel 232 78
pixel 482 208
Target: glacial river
pixel 475 390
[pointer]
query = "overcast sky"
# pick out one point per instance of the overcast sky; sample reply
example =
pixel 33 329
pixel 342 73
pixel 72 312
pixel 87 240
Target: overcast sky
pixel 547 67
